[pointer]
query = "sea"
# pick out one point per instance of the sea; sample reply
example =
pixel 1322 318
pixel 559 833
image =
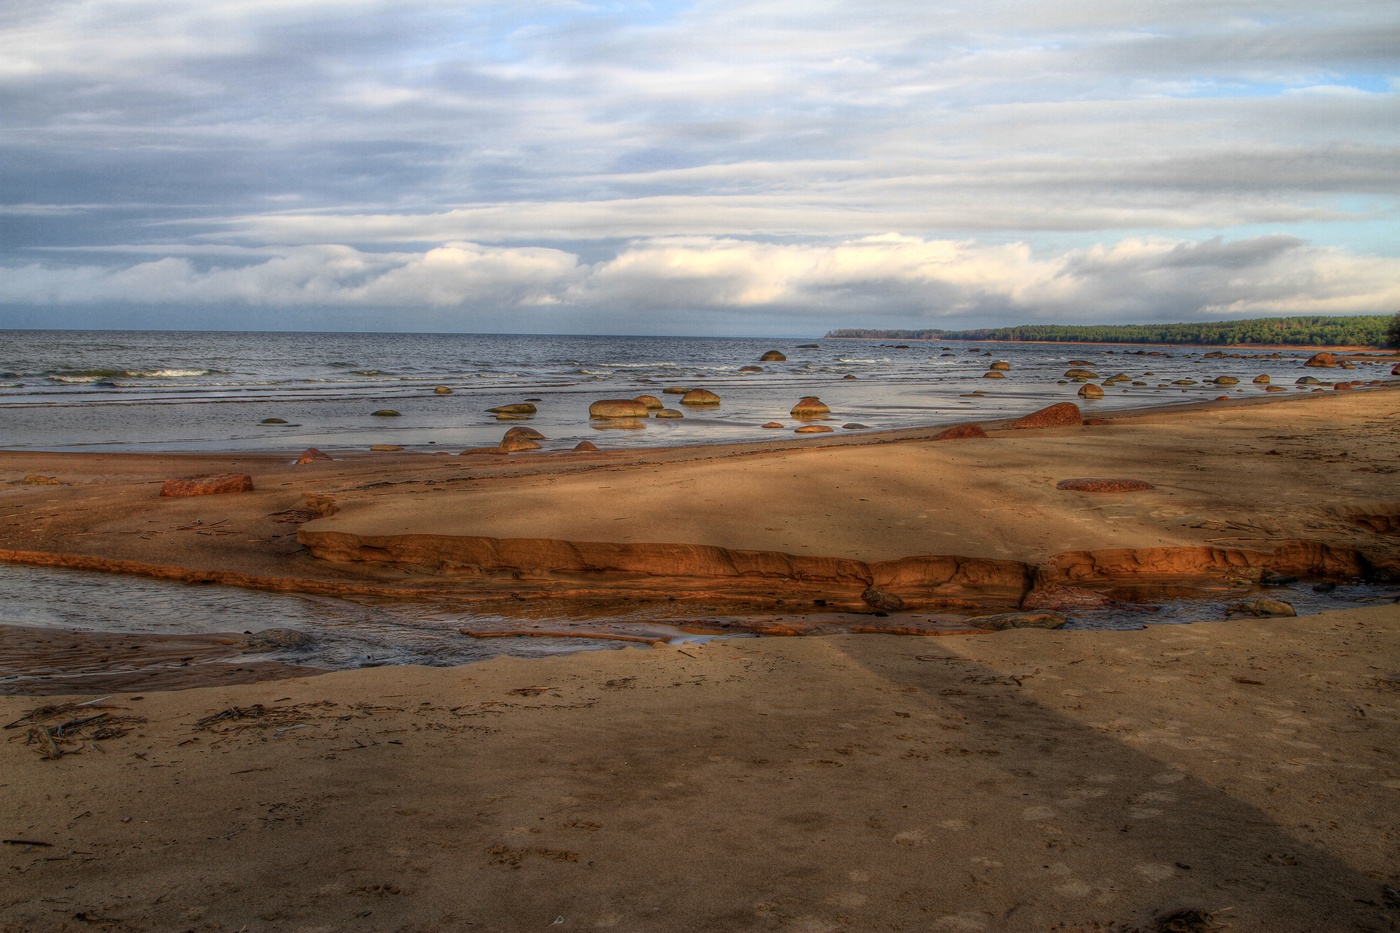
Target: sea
pixel 198 391
pixel 284 392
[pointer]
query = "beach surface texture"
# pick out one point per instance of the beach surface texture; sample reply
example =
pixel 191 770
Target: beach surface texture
pixel 1234 774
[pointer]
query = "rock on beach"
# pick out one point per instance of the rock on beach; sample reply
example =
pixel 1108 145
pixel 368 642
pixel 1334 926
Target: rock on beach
pixel 960 432
pixel 207 485
pixel 1091 484
pixel 1059 415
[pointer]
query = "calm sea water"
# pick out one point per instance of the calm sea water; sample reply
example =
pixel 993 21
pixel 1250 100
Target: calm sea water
pixel 115 390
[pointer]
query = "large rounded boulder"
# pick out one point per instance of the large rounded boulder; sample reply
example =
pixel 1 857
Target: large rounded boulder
pixel 700 397
pixel 810 407
pixel 618 408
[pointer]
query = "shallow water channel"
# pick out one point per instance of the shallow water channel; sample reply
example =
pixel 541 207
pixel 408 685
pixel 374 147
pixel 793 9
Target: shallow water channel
pixel 346 634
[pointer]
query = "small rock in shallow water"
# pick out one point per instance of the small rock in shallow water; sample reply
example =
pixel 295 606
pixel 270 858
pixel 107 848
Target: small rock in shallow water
pixel 1274 578
pixel 618 408
pixel 879 599
pixel 275 639
pixel 1263 606
pixel 810 406
pixel 312 455
pixel 700 397
pixel 385 413
pixel 1007 620
pixel 1061 596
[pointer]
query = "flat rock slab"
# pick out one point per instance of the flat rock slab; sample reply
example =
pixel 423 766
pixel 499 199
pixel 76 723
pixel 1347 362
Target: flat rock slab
pixel 207 485
pixel 1089 484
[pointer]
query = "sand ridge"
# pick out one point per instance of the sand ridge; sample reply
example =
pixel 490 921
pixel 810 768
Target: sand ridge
pixel 1225 476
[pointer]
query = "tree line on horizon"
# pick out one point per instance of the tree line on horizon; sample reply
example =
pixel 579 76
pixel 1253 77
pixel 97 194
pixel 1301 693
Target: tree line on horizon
pixel 1362 331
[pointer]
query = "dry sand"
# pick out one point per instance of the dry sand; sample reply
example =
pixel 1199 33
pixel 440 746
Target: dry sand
pixel 1237 775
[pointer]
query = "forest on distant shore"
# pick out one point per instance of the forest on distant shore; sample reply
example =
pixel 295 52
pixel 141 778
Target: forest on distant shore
pixel 1361 331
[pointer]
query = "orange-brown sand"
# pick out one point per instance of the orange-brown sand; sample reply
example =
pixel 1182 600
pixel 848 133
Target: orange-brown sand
pixel 1237 775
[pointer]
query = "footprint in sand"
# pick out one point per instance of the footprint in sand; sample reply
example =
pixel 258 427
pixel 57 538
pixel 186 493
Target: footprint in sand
pixel 1075 888
pixel 1154 871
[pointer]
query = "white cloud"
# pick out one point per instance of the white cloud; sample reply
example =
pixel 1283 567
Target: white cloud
pixel 871 277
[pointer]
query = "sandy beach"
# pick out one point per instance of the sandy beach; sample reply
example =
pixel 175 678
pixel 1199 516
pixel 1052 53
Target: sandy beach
pixel 1235 774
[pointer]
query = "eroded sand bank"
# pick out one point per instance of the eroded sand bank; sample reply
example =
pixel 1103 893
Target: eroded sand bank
pixel 1306 487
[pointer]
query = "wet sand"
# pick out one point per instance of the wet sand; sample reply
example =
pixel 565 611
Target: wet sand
pixel 1239 775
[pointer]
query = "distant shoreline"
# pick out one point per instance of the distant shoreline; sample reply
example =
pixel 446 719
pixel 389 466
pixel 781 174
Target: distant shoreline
pixel 1310 348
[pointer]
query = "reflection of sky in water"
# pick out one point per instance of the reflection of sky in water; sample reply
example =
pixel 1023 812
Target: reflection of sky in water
pixel 346 634
pixel 215 389
pixel 1301 596
pixel 350 634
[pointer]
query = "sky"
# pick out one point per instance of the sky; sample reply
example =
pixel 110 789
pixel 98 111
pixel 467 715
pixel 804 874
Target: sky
pixel 719 167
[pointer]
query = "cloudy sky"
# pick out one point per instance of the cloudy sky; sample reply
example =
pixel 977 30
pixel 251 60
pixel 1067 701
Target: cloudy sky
pixel 711 167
